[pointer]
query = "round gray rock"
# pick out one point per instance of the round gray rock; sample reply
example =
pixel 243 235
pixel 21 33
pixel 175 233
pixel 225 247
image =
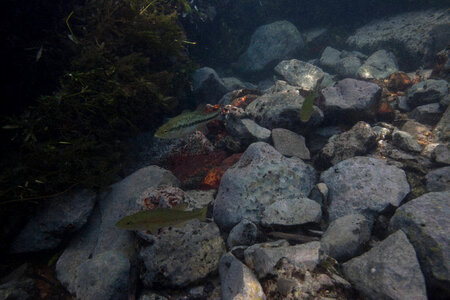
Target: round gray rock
pixel 390 270
pixel 405 141
pixel 345 237
pixel 243 234
pixel 182 256
pixel 426 223
pixel 270 43
pixel 261 177
pixel 438 180
pixel 363 185
pixel 300 73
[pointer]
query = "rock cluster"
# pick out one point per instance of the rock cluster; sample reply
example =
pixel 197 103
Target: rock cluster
pixel 349 189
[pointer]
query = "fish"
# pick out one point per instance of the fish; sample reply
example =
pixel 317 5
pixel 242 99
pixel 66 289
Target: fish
pixel 185 124
pixel 39 53
pixel 152 220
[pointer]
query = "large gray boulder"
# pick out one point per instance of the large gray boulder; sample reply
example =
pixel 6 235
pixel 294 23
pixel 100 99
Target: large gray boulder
pixel 345 237
pixel 238 281
pixel 100 233
pixel 359 140
pixel 426 92
pixel 390 270
pixel 379 65
pixel 261 177
pixel 263 258
pixel 269 44
pixel 426 223
pixel 415 34
pixel 351 100
pixel 207 85
pixel 363 185
pixel 56 220
pixel 182 256
pixel 282 110
pixel 300 73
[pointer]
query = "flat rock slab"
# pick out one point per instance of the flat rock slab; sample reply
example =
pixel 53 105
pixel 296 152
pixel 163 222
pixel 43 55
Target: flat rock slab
pixel 55 221
pixel 182 256
pixel 426 92
pixel 290 143
pixel 263 258
pixel 363 185
pixel 425 220
pixel 238 281
pixel 261 177
pixel 390 270
pixel 292 212
pixel 379 65
pixel 416 34
pixel 350 100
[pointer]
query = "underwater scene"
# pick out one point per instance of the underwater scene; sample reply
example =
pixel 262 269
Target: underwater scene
pixel 225 149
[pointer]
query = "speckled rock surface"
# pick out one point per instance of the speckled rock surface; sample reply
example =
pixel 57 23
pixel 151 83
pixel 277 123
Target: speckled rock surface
pixel 405 141
pixel 269 44
pixel 350 99
pixel 281 110
pixel 428 114
pixel 182 256
pixel 357 141
pixel 92 284
pixel 345 237
pixel 390 270
pixel 426 223
pixel 363 185
pixel 263 258
pixel 414 33
pixel 238 281
pixel 292 212
pixel 261 177
pixel 300 73
pixel 289 143
pixel 379 65
pixel 55 221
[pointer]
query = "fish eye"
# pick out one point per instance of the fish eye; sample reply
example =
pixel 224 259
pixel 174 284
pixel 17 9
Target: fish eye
pixel 128 223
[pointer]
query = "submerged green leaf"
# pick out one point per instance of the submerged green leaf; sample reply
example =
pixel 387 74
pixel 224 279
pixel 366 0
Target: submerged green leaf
pixel 307 107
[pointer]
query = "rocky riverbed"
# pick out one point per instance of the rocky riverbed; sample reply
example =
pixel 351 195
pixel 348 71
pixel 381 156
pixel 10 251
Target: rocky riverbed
pixel 352 204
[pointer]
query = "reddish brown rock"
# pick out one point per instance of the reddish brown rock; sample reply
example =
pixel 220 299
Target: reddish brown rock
pixel 212 179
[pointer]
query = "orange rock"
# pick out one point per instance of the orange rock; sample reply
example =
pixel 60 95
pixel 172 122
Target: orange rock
pixel 212 179
pixel 399 81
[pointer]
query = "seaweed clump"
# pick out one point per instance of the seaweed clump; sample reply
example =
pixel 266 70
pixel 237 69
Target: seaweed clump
pixel 129 70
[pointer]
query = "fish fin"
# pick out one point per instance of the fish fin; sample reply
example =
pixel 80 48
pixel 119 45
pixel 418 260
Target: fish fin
pixel 203 213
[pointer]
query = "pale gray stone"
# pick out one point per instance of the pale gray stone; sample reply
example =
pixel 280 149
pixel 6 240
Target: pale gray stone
pixel 441 154
pixel 426 223
pixel 438 180
pixel 292 212
pixel 289 143
pixel 244 233
pixel 238 281
pixel 379 65
pixel 363 185
pixel 345 237
pixel 405 141
pixel 300 73
pixel 390 270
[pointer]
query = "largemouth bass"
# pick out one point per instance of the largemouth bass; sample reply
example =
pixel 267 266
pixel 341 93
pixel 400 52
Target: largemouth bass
pixel 152 220
pixel 185 124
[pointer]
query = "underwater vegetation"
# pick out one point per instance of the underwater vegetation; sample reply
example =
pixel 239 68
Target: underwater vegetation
pixel 129 69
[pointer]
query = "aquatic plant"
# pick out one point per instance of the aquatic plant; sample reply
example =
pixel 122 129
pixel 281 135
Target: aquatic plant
pixel 129 69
